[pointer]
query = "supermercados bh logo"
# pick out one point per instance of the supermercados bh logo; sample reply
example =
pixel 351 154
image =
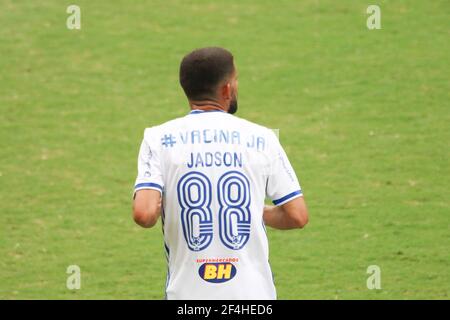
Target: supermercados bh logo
pixel 217 272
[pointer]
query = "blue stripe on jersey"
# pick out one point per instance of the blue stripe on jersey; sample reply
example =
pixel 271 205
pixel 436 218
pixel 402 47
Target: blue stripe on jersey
pixel 202 111
pixel 148 185
pixel 168 269
pixel 167 250
pixel 167 282
pixel 287 197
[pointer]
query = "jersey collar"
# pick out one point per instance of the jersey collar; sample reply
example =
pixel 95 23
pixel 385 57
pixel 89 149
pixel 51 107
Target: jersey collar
pixel 204 111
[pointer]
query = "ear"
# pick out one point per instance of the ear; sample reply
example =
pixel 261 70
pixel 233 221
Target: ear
pixel 226 91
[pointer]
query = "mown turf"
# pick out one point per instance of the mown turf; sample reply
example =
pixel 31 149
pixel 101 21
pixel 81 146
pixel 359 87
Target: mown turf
pixel 363 116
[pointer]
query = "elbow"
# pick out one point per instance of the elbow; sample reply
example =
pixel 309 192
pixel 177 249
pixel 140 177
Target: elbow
pixel 296 213
pixel 300 220
pixel 144 218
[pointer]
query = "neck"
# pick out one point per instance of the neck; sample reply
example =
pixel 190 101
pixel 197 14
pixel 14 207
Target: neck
pixel 206 105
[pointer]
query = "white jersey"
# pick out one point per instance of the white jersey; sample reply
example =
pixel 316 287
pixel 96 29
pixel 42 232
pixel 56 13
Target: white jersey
pixel 214 171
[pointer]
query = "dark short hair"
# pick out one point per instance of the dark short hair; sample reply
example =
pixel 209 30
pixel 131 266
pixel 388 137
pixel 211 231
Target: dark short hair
pixel 202 70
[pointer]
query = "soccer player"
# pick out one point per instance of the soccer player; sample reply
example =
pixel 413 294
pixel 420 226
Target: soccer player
pixel 207 175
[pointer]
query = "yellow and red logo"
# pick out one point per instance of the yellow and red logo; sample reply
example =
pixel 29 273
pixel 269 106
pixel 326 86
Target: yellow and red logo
pixel 217 272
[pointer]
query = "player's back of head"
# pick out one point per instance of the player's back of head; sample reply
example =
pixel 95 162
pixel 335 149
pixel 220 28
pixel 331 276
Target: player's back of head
pixel 202 70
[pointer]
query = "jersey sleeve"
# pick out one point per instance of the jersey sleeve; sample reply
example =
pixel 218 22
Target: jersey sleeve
pixel 282 184
pixel 149 166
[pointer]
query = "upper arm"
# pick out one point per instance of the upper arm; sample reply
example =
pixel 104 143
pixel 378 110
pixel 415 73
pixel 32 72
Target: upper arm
pixel 296 211
pixel 149 183
pixel 146 207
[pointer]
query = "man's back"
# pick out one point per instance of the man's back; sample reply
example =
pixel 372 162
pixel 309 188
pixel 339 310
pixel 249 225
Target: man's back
pixel 215 170
pixel 212 171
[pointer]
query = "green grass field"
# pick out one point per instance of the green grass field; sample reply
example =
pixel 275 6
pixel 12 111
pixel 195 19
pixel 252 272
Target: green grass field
pixel 363 115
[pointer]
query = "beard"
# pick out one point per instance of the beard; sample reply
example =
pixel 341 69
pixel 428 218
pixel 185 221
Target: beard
pixel 233 105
